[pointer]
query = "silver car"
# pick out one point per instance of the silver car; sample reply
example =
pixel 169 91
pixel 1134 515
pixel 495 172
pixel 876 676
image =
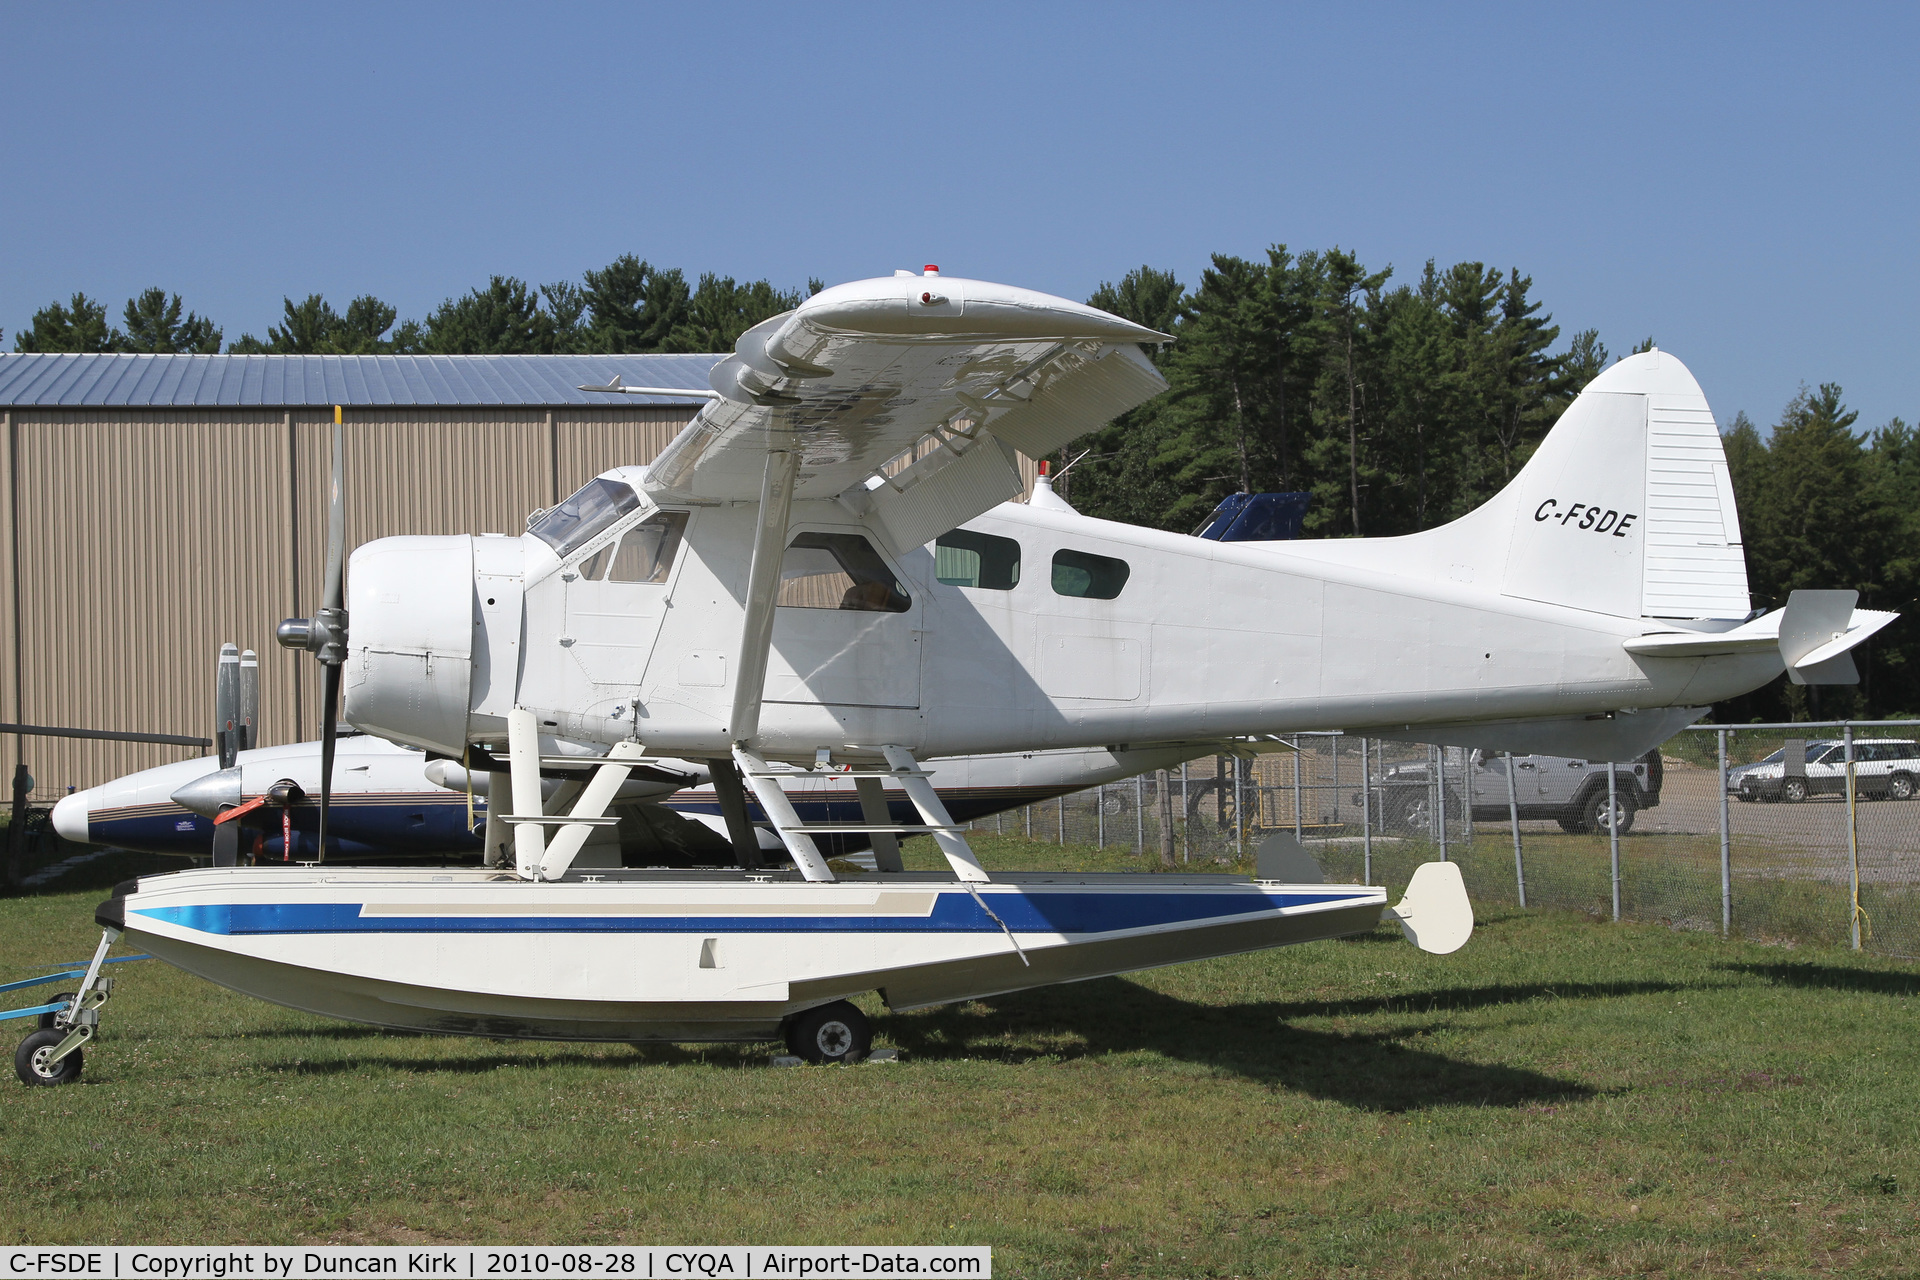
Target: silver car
pixel 1882 767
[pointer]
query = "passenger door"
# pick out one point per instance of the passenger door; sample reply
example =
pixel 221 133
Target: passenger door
pixel 846 631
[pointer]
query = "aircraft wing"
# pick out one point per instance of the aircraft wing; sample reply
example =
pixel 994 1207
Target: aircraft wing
pixel 944 377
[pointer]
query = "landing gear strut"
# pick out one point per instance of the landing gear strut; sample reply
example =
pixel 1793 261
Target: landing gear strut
pixel 51 1055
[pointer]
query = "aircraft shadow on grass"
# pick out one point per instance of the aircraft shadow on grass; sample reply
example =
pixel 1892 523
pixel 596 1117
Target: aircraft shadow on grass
pixel 1382 1070
pixel 1372 1070
pixel 1832 978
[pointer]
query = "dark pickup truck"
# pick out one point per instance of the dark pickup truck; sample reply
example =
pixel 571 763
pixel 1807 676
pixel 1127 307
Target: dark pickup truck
pixel 1568 791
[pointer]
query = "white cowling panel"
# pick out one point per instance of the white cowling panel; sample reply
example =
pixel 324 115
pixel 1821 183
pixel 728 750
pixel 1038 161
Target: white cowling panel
pixel 410 616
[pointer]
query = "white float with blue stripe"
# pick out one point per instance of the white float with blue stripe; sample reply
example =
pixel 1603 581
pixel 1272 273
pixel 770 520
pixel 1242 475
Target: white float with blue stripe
pixel 635 956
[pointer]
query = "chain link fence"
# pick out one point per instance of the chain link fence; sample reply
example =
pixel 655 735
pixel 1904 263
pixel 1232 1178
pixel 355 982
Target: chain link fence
pixel 1766 830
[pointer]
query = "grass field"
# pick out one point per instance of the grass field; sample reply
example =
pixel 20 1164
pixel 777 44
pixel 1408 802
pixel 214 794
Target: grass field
pixel 1563 1097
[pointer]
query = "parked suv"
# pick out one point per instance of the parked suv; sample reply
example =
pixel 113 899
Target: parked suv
pixel 1882 767
pixel 1566 790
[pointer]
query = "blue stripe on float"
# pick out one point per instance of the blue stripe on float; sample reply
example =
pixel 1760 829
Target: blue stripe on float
pixel 952 913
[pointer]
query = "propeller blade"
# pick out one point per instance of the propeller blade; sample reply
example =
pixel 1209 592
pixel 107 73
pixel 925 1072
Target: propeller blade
pixel 249 700
pixel 335 597
pixel 226 705
pixel 329 737
pixel 226 845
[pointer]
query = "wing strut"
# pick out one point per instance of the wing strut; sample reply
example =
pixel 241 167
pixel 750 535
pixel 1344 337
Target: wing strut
pixel 763 589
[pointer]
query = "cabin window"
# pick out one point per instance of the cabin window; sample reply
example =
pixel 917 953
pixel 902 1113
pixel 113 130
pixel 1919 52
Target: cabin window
pixel 645 552
pixel 839 571
pixel 1091 577
pixel 593 510
pixel 962 558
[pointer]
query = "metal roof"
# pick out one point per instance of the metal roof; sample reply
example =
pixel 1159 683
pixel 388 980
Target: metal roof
pixel 149 381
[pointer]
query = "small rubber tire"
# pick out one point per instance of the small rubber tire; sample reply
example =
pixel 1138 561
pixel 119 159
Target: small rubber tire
pixel 1596 817
pixel 1900 787
pixel 29 1060
pixel 831 1034
pixel 46 1019
pixel 1795 790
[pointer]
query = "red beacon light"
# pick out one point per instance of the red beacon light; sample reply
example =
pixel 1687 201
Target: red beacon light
pixel 931 269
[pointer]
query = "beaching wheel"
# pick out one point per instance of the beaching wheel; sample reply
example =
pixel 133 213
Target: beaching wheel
pixel 835 1032
pixel 30 1060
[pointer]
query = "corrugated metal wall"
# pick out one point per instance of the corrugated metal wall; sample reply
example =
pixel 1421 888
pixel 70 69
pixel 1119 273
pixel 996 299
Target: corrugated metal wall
pixel 148 537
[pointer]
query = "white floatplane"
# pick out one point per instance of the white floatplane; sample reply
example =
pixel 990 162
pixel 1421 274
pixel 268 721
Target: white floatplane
pixel 824 570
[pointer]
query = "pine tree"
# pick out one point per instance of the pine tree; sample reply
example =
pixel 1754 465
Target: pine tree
pixel 633 306
pixel 313 327
pixel 720 311
pixel 504 318
pixel 81 325
pixel 155 324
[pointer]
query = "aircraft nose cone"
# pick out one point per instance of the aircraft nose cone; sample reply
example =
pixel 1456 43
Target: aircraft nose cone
pixel 71 816
pixel 207 794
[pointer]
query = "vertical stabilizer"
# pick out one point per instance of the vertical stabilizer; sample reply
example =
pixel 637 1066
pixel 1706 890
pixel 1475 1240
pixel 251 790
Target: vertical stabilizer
pixel 1627 507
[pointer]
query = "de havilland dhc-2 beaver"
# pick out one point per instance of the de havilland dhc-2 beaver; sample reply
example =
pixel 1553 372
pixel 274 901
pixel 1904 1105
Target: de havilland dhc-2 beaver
pixel 824 569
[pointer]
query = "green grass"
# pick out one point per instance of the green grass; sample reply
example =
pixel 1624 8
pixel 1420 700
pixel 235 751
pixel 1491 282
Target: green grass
pixel 1564 1097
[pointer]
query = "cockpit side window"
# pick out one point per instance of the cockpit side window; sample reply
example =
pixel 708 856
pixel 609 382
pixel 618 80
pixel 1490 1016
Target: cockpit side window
pixel 588 513
pixel 646 551
pixel 839 571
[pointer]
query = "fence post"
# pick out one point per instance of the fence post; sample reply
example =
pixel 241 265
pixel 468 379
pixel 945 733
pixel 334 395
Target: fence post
pixel 1100 816
pixel 1026 817
pixel 1440 797
pixel 1513 816
pixel 1853 835
pixel 1366 817
pixel 1185 812
pixel 1297 833
pixel 1613 837
pixel 1726 845
pixel 1139 814
pixel 1060 816
pixel 1239 809
pixel 1164 786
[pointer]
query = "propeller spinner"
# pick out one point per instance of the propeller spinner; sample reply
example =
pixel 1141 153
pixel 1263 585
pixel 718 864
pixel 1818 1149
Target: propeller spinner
pixel 325 634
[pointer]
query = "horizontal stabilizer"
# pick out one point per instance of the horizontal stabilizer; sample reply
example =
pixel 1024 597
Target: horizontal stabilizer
pixel 1814 635
pixel 1435 914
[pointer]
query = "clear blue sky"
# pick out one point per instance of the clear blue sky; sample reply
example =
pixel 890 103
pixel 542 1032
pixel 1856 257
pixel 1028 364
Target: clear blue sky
pixel 1738 181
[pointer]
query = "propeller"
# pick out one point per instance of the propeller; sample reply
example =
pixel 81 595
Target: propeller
pixel 325 634
pixel 226 741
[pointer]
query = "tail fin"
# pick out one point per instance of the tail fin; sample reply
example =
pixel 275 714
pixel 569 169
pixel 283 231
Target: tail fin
pixel 1625 509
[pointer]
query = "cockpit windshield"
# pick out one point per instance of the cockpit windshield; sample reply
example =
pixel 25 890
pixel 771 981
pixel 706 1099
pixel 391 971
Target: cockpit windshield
pixel 591 511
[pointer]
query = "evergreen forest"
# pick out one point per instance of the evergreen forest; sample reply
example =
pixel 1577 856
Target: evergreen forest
pixel 1397 404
